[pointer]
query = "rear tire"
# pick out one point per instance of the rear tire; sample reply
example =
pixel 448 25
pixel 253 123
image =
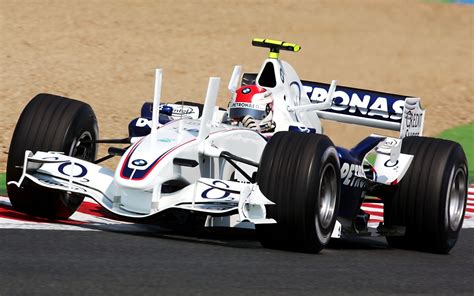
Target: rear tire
pixel 430 201
pixel 50 123
pixel 300 173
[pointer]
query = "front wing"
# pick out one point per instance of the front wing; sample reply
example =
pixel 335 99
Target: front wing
pixel 211 196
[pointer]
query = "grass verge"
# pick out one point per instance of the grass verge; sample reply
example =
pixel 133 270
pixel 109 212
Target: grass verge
pixel 464 135
pixel 3 186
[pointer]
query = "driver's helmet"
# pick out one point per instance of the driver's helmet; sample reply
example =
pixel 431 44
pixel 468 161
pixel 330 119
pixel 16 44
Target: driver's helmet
pixel 250 100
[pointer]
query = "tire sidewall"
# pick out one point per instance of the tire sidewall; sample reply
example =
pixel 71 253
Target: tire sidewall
pixel 447 234
pixel 328 159
pixel 420 201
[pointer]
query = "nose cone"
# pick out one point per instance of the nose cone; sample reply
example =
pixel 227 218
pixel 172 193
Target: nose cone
pixel 149 158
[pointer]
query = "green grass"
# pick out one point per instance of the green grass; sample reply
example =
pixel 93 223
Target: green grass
pixel 3 186
pixel 464 135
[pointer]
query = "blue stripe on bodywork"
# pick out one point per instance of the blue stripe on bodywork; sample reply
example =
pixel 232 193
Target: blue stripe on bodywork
pixel 139 174
pixel 351 196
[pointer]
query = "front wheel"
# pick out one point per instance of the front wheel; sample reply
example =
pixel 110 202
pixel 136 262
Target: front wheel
pixel 50 123
pixel 300 173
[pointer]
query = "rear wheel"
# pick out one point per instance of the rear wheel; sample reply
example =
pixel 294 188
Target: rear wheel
pixel 50 123
pixel 300 174
pixel 430 201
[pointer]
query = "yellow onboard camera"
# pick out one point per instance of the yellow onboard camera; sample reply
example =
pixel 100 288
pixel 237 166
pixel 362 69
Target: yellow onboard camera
pixel 275 46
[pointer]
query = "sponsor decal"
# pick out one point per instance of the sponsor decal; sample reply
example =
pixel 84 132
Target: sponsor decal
pixel 173 110
pixel 143 122
pixel 139 162
pixel 217 193
pixel 390 146
pixel 412 119
pixel 247 105
pixel 389 143
pixel 365 105
pixel 67 172
pixel 412 122
pixel 302 129
pixel 358 102
pixel 183 110
pixel 353 175
pixel 246 90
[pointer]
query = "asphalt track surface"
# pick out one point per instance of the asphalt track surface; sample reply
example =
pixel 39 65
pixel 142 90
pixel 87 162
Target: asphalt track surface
pixel 56 262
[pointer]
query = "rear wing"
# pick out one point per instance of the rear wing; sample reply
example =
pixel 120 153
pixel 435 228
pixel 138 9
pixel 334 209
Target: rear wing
pixel 365 107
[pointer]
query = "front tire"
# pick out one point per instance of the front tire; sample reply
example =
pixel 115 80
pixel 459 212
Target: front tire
pixel 430 201
pixel 50 123
pixel 300 173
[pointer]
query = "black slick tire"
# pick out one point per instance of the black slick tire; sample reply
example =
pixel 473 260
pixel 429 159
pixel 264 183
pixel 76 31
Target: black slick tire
pixel 50 123
pixel 430 201
pixel 300 173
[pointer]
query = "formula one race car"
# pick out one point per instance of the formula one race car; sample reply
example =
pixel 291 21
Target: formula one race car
pixel 263 163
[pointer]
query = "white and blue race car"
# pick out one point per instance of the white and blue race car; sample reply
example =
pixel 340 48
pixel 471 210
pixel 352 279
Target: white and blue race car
pixel 272 169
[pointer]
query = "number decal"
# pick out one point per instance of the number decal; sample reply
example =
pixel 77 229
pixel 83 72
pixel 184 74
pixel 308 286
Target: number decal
pixel 205 193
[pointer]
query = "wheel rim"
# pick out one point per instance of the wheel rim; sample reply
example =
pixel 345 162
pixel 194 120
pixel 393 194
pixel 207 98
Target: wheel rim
pixel 327 196
pixel 83 150
pixel 456 199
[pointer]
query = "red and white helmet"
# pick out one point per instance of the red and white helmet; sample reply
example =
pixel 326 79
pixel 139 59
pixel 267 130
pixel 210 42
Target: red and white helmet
pixel 250 100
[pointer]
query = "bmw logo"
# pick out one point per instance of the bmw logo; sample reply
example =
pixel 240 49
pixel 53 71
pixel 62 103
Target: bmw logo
pixel 246 90
pixel 139 162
